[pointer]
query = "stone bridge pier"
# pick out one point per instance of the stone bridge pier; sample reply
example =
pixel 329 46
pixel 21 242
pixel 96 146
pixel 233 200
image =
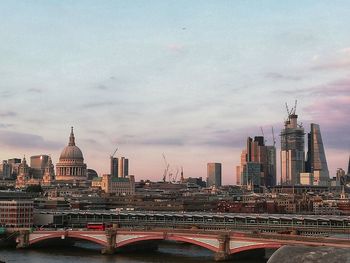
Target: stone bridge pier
pixel 110 247
pixel 224 248
pixel 23 239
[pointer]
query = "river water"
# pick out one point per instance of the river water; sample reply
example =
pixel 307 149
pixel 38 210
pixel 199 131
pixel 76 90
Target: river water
pixel 83 252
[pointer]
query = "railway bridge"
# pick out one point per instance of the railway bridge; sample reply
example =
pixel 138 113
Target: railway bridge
pixel 222 243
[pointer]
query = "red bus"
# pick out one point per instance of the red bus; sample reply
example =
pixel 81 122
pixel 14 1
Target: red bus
pixel 96 226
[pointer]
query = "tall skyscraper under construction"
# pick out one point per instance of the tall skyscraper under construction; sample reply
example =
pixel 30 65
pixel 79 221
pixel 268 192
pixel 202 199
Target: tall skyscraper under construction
pixel 316 162
pixel 292 150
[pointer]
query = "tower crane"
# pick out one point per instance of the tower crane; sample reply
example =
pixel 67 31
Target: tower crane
pixel 295 106
pixel 166 168
pixel 288 112
pixel 175 177
pixel 114 152
pixel 262 132
pixel 273 136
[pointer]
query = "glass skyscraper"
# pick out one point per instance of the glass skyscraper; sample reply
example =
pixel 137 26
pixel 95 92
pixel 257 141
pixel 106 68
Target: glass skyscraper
pixel 214 174
pixel 316 157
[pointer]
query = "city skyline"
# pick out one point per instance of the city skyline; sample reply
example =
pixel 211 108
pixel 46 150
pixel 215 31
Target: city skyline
pixel 192 80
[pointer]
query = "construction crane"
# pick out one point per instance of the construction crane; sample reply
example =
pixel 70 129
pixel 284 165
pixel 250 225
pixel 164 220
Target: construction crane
pixel 166 168
pixel 293 110
pixel 114 152
pixel 175 177
pixel 288 112
pixel 262 132
pixel 295 107
pixel 273 136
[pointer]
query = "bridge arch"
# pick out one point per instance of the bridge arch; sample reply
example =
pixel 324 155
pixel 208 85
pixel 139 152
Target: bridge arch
pixel 166 238
pixel 34 240
pixel 255 246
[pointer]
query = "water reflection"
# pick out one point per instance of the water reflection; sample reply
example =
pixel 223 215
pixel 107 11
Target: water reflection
pixel 85 252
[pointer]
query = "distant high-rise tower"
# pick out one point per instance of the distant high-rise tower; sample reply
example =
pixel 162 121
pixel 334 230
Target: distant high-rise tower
pixel 292 150
pixel 258 164
pixel 316 158
pixel 214 174
pixel 349 166
pixel 38 163
pixel 123 167
pixel 114 167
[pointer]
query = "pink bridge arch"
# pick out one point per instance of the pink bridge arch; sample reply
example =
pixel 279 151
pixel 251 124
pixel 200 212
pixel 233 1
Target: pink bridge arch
pixel 255 246
pixel 98 238
pixel 173 237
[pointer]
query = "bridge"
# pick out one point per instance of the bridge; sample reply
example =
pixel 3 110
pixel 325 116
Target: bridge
pixel 222 243
pixel 281 223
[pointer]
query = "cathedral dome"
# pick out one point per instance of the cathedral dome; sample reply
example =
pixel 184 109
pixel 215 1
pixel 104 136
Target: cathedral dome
pixel 71 151
pixel 71 166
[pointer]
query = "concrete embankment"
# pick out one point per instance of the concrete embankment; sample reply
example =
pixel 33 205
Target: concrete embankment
pixel 298 254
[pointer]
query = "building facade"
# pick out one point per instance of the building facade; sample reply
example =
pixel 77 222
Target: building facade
pixel 5 170
pixel 71 166
pixel 123 167
pixel 258 164
pixel 214 174
pixel 16 213
pixel 23 174
pixel 38 163
pixel 115 185
pixel 114 166
pixel 292 151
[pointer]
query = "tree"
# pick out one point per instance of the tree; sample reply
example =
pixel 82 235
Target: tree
pixel 34 189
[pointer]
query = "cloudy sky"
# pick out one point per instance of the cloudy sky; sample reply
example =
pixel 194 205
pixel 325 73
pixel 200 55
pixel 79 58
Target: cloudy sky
pixel 191 79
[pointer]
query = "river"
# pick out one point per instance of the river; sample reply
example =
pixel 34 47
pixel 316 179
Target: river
pixel 83 252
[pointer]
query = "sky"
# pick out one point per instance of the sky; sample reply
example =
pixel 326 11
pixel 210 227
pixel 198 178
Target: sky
pixel 190 79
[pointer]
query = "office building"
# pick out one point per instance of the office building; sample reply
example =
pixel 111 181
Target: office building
pixel 316 162
pixel 306 178
pixel 5 170
pixel 292 150
pixel 258 164
pixel 38 163
pixel 115 185
pixel 123 167
pixel 114 167
pixel 271 173
pixel 16 213
pixel 213 174
pixel 239 168
pixel 14 166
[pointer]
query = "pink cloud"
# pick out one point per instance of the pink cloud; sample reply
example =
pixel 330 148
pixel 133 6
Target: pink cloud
pixel 332 113
pixel 330 110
